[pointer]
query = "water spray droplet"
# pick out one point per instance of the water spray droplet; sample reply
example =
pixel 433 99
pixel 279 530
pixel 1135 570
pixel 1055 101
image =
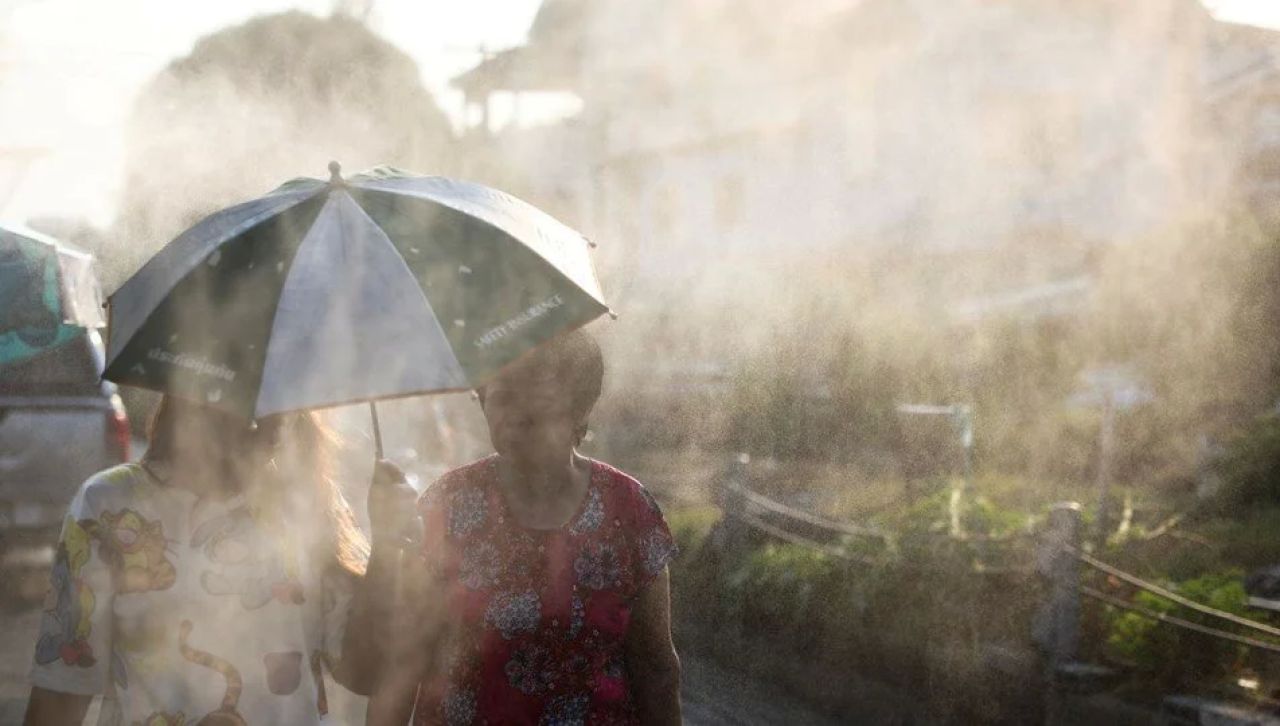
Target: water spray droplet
pixel 215 258
pixel 460 323
pixel 464 269
pixel 214 396
pixel 415 250
pixel 173 337
pixel 280 266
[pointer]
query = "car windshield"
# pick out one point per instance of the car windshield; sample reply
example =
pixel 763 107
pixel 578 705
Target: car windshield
pixel 69 369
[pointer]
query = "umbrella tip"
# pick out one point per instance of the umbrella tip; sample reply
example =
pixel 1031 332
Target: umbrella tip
pixel 335 172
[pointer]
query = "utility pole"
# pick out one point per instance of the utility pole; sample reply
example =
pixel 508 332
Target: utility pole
pixel 961 416
pixel 1111 391
pixel 1106 445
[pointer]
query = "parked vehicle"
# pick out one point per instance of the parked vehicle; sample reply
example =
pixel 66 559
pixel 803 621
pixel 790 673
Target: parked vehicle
pixel 59 423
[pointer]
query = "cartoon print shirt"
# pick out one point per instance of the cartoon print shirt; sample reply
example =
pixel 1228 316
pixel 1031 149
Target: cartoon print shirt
pixel 542 615
pixel 180 608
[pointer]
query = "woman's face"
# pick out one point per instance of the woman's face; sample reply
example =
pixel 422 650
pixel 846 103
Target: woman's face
pixel 530 417
pixel 217 440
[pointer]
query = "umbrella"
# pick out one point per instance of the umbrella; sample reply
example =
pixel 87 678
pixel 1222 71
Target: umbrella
pixel 47 293
pixel 324 293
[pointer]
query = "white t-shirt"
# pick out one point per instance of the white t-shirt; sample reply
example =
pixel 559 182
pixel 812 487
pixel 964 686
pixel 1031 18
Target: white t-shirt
pixel 178 607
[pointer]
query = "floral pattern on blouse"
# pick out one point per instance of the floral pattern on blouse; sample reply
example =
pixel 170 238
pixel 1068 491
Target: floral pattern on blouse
pixel 466 512
pixel 512 613
pixel 540 616
pixel 459 708
pixel 481 565
pixel 598 567
pixel 592 514
pixel 566 711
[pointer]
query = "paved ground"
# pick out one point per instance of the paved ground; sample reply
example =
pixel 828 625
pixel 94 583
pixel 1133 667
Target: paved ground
pixel 712 696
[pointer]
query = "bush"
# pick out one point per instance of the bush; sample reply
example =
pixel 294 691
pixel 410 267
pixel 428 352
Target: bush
pixel 774 585
pixel 1250 469
pixel 691 525
pixel 1171 655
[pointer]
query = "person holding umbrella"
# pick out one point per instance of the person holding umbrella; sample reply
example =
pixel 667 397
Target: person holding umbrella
pixel 541 594
pixel 318 294
pixel 207 583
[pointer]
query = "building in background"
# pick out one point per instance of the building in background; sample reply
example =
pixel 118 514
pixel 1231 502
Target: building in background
pixel 974 131
pixel 1242 90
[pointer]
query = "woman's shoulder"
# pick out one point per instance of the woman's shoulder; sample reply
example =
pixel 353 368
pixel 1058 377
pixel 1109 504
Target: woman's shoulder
pixel 114 488
pixel 623 488
pixel 467 475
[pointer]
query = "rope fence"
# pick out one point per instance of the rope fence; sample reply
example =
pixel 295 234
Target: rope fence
pixel 1116 602
pixel 793 514
pixel 1059 558
pixel 764 527
pixel 1173 596
pixel 798 514
pixel 767 504
pixel 756 499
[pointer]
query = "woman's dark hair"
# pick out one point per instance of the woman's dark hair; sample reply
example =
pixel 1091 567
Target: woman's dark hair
pixel 574 361
pixel 341 539
pixel 579 368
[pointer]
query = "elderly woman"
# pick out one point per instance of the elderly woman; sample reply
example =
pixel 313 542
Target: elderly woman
pixel 542 593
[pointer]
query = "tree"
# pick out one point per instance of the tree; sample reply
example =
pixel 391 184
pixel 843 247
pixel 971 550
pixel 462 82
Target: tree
pixel 255 104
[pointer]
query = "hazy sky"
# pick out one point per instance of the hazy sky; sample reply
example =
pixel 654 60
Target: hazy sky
pixel 70 70
pixel 1256 12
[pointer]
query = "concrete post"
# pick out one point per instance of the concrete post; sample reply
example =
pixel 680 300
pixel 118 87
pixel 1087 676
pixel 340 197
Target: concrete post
pixel 1106 447
pixel 1064 597
pixel 1057 625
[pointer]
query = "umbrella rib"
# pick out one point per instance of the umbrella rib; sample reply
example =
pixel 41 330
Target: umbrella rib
pixel 380 187
pixel 274 355
pixel 120 335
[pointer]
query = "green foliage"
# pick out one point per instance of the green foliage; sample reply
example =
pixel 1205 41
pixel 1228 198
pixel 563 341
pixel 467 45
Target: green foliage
pixel 775 584
pixel 1251 468
pixel 931 515
pixel 1249 539
pixel 691 525
pixel 1173 655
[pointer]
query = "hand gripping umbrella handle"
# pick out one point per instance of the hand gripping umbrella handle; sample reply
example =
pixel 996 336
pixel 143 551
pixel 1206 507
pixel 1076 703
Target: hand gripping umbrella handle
pixel 377 431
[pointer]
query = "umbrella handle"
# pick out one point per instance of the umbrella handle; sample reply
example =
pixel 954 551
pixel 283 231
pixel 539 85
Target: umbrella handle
pixel 377 431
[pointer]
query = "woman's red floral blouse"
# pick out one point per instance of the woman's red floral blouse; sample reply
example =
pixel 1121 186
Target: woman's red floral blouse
pixel 541 616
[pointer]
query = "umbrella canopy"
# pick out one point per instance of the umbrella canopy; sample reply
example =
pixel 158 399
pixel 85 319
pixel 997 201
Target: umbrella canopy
pixel 324 293
pixel 48 292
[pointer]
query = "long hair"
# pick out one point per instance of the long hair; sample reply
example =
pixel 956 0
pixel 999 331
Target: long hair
pixel 313 445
